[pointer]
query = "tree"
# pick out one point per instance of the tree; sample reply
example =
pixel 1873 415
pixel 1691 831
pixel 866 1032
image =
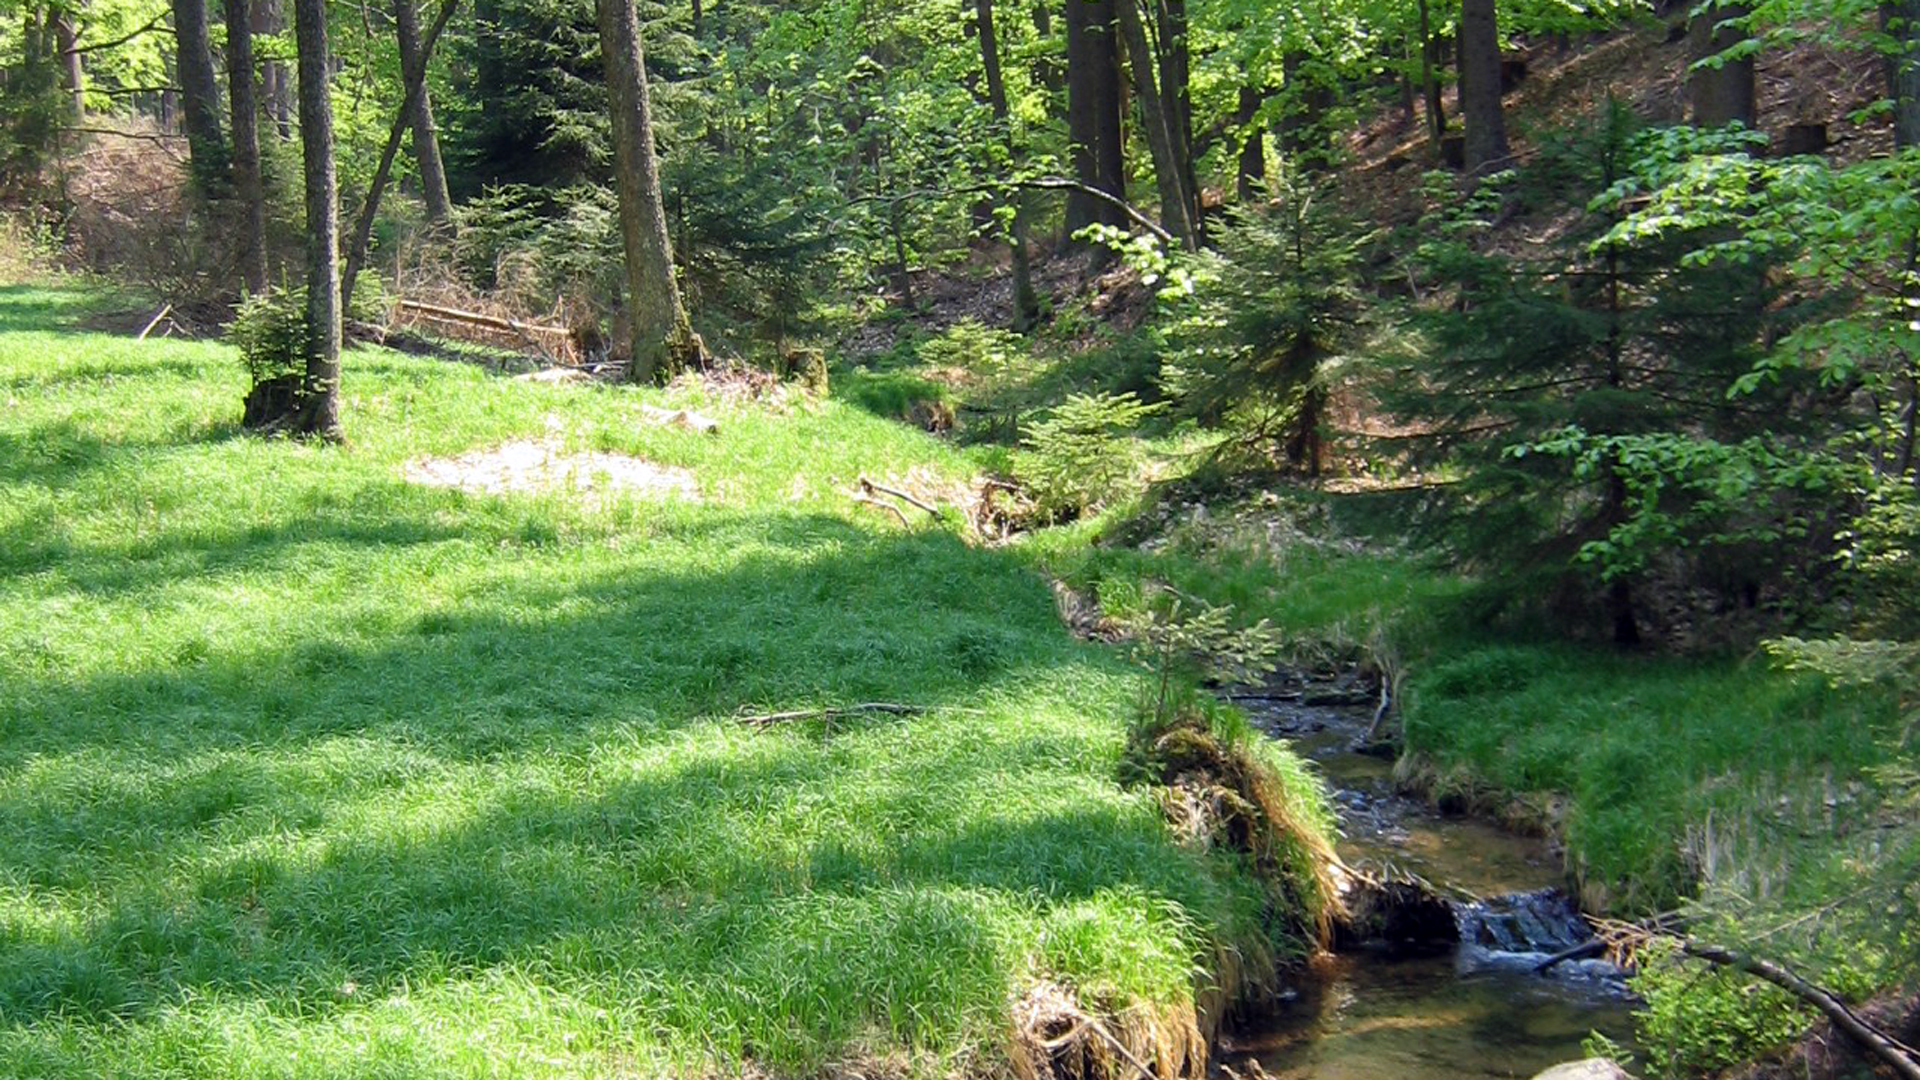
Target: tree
pixel 413 88
pixel 1159 119
pixel 1094 123
pixel 662 338
pixel 1900 20
pixel 1485 122
pixel 248 184
pixel 1720 85
pixel 1277 303
pixel 69 42
pixel 319 406
pixel 426 140
pixel 1026 306
pixel 1429 76
pixel 1583 392
pixel 199 96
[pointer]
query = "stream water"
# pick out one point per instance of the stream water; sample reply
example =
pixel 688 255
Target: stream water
pixel 1471 1008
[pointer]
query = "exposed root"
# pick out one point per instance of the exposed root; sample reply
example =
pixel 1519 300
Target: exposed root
pixel 1220 794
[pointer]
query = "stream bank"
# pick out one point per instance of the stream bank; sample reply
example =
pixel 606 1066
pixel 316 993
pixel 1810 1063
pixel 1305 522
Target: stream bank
pixel 1441 980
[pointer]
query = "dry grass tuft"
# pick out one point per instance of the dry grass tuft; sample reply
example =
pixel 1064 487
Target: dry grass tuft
pixel 1056 1038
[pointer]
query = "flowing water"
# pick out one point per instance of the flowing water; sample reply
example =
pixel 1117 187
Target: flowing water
pixel 1471 1008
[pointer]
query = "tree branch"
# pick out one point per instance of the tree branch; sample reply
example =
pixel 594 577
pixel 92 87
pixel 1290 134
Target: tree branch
pixel 1041 183
pixel 122 39
pixel 1892 1053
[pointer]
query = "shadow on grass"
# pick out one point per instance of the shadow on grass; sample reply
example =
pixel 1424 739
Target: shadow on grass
pixel 565 790
pixel 62 453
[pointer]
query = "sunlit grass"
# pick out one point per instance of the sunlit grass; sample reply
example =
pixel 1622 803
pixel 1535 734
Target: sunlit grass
pixel 308 771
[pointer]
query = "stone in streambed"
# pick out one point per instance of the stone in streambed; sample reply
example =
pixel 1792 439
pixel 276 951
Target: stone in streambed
pixel 1590 1069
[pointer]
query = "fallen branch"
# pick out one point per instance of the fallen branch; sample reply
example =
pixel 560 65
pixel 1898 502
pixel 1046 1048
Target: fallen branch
pixel 868 487
pixel 475 318
pixel 155 321
pixel 1585 950
pixel 835 712
pixel 1896 1055
pixel 1083 1021
pixel 145 136
pixel 868 500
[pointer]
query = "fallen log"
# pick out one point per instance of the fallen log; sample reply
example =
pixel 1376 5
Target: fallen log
pixel 475 318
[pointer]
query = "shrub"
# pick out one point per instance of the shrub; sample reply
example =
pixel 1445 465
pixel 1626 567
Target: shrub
pixel 1699 1020
pixel 1081 456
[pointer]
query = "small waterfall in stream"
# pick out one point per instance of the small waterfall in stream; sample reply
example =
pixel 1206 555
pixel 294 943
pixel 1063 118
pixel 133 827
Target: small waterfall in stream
pixel 1522 931
pixel 1437 981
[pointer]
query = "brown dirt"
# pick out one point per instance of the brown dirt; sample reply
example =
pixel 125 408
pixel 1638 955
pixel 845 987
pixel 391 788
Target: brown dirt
pixel 1808 82
pixel 530 466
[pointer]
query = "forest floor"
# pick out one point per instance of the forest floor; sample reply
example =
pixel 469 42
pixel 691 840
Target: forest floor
pixel 308 769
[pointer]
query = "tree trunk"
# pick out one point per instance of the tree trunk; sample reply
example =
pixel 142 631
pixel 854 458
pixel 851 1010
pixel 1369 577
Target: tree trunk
pixel 1719 95
pixel 1430 78
pixel 1026 305
pixel 320 392
pixel 1252 171
pixel 1168 169
pixel 1093 114
pixel 1900 19
pixel 1046 71
pixel 663 340
pixel 199 96
pixel 1486 124
pixel 245 121
pixel 1170 17
pixel 414 86
pixel 68 41
pixel 426 142
pixel 276 88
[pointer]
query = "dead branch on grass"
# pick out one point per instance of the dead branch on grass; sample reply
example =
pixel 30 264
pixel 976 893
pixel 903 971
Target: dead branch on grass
pixel 837 712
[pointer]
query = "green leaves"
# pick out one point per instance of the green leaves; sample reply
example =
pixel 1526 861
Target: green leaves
pixel 1082 455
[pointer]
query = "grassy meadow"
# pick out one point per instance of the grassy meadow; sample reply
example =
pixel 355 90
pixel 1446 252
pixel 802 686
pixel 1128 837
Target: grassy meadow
pixel 307 770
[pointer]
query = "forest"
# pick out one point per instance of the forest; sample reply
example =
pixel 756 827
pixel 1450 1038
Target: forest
pixel 1051 539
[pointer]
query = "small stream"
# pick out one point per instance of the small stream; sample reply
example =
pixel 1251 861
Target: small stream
pixel 1471 1008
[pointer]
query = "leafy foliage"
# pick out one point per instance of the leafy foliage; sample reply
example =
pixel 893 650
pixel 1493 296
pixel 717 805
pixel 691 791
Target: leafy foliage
pixel 1582 392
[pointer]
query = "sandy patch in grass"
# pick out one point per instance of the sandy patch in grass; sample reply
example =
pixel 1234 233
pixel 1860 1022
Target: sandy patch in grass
pixel 529 466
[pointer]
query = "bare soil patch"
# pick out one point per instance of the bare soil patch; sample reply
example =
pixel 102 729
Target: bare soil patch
pixel 527 465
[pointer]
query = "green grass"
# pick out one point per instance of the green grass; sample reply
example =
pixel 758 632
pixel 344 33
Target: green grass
pixel 1665 776
pixel 309 771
